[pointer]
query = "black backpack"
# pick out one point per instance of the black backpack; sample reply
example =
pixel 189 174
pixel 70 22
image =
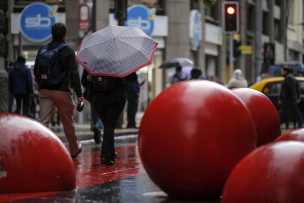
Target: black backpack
pixel 49 68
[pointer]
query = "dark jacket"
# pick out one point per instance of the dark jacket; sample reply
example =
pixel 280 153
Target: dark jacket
pixel 20 80
pixel 290 88
pixel 100 84
pixel 67 58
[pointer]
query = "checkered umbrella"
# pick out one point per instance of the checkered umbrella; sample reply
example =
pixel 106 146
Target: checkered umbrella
pixel 116 51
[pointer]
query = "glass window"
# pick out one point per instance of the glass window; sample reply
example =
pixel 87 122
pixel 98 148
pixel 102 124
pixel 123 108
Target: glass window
pixel 272 89
pixel 212 11
pixel 26 2
pixel 250 18
pixel 277 33
pixel 157 5
pixel 265 23
pixel 301 84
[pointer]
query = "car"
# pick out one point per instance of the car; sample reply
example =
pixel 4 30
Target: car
pixel 271 87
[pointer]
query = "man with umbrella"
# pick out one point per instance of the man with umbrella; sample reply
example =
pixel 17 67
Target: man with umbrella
pixel 108 99
pixel 108 56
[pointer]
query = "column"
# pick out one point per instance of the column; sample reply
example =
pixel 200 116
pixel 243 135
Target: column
pixel 177 42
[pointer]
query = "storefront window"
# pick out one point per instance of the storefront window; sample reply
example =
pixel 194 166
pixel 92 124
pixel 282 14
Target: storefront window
pixel 158 5
pixel 20 4
pixel 26 2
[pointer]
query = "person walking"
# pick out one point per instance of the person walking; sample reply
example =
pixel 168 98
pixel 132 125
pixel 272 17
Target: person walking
pixel 237 80
pixel 132 93
pixel 289 96
pixel 21 86
pixel 107 95
pixel 178 75
pixel 196 74
pixel 55 70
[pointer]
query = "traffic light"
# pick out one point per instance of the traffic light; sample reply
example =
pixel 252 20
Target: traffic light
pixel 231 16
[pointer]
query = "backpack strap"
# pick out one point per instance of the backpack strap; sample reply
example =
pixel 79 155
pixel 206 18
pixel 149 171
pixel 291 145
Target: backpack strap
pixel 61 46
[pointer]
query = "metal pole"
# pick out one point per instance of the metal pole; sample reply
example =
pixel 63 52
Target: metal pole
pixel 20 46
pixel 94 27
pixel 230 54
pixel 258 37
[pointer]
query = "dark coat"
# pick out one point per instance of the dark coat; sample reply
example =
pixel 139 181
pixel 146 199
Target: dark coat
pixel 290 88
pixel 67 58
pixel 20 80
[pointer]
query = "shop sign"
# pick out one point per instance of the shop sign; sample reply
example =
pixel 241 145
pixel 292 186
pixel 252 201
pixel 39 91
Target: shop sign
pixel 195 28
pixel 141 16
pixel 36 22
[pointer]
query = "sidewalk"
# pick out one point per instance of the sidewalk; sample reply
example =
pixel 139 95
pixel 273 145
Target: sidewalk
pixel 83 131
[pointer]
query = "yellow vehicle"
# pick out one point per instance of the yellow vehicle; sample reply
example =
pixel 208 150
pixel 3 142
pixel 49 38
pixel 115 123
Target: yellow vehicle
pixel 271 87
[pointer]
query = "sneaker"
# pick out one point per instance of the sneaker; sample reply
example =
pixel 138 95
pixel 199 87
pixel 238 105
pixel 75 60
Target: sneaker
pixel 78 152
pixel 107 161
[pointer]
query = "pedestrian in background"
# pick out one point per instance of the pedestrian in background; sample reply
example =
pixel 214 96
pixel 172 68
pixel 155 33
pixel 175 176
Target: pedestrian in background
pixel 196 73
pixel 178 75
pixel 132 93
pixel 11 98
pixel 107 95
pixel 237 80
pixel 96 125
pixel 21 86
pixel 55 70
pixel 290 94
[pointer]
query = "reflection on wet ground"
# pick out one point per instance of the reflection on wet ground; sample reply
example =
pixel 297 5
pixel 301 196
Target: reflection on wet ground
pixel 126 181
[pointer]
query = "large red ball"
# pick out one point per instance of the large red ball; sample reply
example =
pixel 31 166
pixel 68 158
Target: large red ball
pixel 192 135
pixel 265 115
pixel 294 135
pixel 32 158
pixel 272 173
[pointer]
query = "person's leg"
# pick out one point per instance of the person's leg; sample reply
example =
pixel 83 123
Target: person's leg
pixel 109 115
pixel 10 102
pixel 18 104
pixel 132 108
pixel 47 107
pixel 65 108
pixel 297 116
pixel 283 114
pixel 26 105
pixel 96 125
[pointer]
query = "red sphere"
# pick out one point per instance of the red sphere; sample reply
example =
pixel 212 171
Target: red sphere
pixel 294 135
pixel 192 135
pixel 272 173
pixel 32 158
pixel 265 115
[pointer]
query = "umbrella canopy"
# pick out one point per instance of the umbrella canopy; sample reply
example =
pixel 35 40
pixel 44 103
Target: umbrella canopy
pixel 116 51
pixel 174 62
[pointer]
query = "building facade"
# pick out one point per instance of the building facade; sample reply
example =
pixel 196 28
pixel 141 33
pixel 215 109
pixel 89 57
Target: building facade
pixel 182 28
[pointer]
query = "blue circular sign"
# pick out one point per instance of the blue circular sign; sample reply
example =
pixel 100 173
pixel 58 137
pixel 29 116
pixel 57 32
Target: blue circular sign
pixel 141 16
pixel 196 27
pixel 36 22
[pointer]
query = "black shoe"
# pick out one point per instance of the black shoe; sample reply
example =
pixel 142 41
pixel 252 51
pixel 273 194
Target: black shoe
pixel 114 155
pixel 78 152
pixel 107 161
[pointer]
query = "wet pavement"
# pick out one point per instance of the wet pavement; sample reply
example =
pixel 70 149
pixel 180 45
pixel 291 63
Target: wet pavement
pixel 126 181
